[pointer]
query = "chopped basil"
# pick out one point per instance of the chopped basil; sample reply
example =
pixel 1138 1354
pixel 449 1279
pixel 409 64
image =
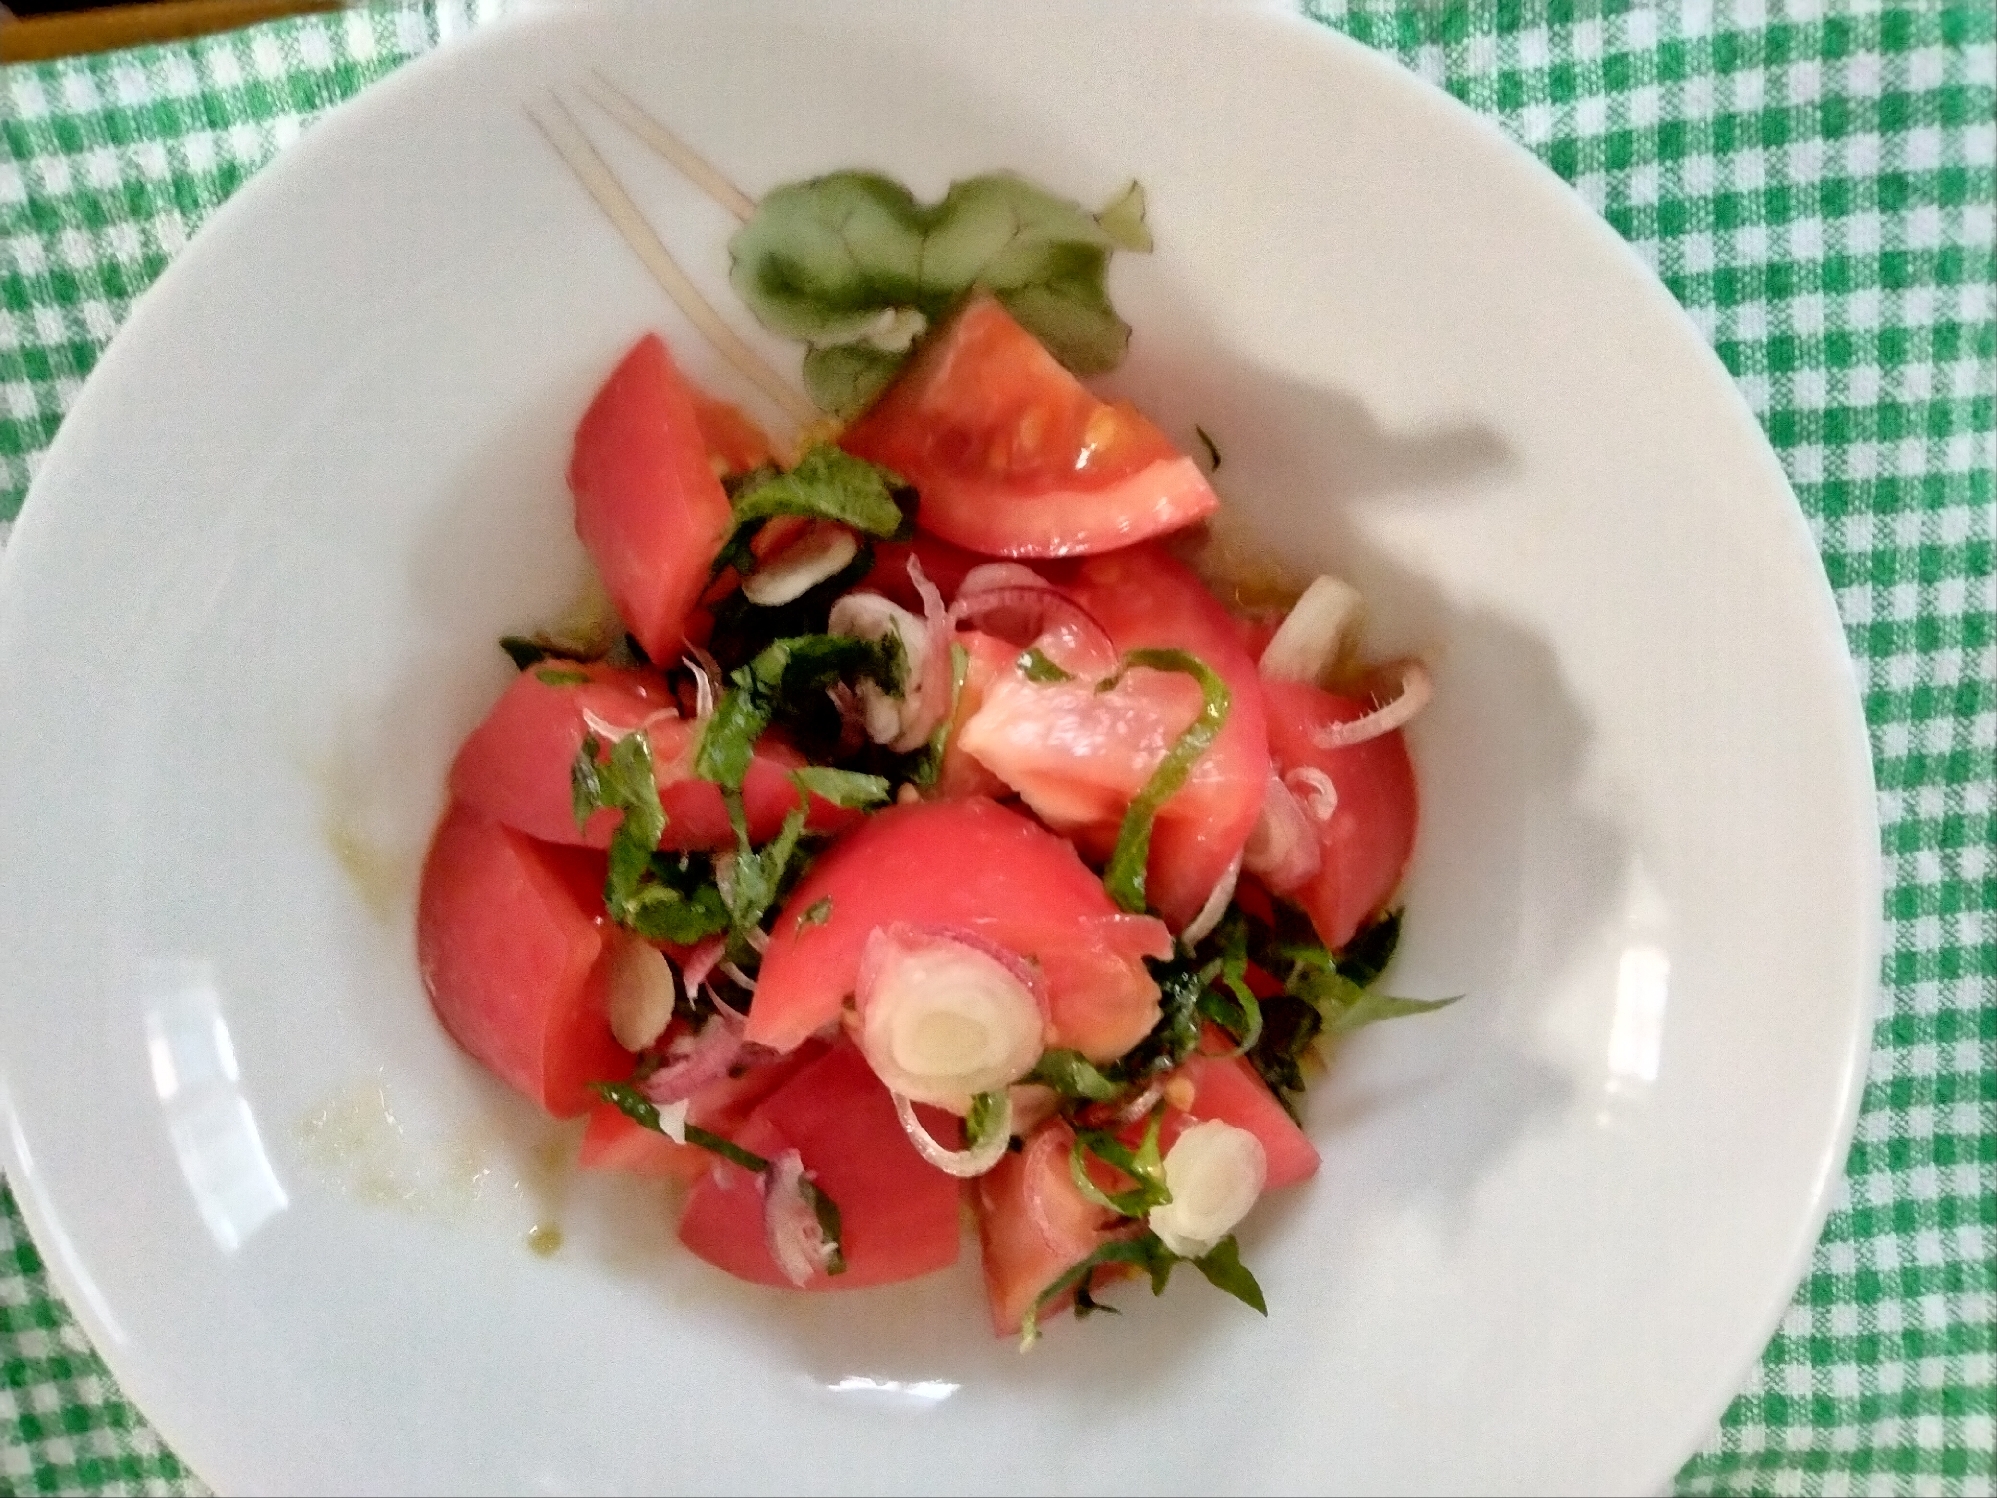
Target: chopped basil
pixel 1036 668
pixel 1224 1270
pixel 1232 1004
pixel 828 484
pixel 1213 453
pixel 817 913
pixel 844 378
pixel 784 676
pixel 743 629
pixel 661 897
pixel 1221 1265
pixel 642 1111
pixel 1073 1075
pixel 1124 878
pixel 555 677
pixel 846 788
pixel 758 874
pixel 928 762
pixel 1143 1165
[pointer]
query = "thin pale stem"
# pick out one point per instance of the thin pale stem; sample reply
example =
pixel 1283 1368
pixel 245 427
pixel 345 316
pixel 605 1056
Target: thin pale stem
pixel 566 136
pixel 688 162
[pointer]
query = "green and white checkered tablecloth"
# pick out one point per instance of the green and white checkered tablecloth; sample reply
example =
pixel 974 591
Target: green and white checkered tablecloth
pixel 1815 182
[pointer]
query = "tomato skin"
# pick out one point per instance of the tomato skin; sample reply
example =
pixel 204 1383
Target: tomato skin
pixel 1013 456
pixel 1034 1226
pixel 515 765
pixel 1146 600
pixel 987 658
pixel 649 509
pixel 968 863
pixel 734 443
pixel 614 1142
pixel 1371 835
pixel 898 1213
pixel 508 936
pixel 1228 1089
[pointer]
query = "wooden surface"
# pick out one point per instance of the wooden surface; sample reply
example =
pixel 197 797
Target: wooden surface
pixel 32 39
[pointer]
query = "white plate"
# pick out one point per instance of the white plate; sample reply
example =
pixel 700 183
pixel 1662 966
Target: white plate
pixel 251 606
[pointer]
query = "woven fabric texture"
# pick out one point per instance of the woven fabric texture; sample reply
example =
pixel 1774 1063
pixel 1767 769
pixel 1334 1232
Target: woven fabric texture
pixel 1815 183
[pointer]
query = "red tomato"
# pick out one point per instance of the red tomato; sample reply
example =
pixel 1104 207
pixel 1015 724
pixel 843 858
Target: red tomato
pixel 508 932
pixel 898 1213
pixel 961 774
pixel 970 864
pixel 515 765
pixel 942 563
pixel 614 1142
pixel 1232 1092
pixel 1034 1226
pixel 1079 756
pixel 649 509
pixel 1011 454
pixel 1372 833
pixel 734 443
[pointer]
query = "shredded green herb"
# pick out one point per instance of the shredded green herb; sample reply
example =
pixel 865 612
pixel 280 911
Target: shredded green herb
pixel 847 788
pixel 1213 453
pixel 828 484
pixel 1221 1265
pixel 662 897
pixel 553 676
pixel 1143 1165
pixel 817 913
pixel 785 676
pixel 1036 668
pixel 1073 1075
pixel 1124 878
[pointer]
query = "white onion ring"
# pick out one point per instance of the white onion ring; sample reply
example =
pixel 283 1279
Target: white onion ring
pixel 716 1051
pixel 1283 850
pixel 963 1164
pixel 1313 790
pixel 1416 688
pixel 1142 1104
pixel 700 962
pixel 738 976
pixel 932 672
pixel 703 686
pixel 1019 616
pixel 986 576
pixel 1215 907
pixel 790 1227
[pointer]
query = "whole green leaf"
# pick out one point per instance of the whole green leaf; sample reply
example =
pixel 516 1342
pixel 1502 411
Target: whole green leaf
pixel 1370 1008
pixel 1122 219
pixel 827 484
pixel 844 378
pixel 834 261
pixel 1124 878
pixel 821 259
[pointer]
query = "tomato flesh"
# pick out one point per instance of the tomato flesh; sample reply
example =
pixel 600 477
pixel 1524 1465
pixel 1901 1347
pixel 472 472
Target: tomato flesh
pixel 734 443
pixel 1371 834
pixel 1034 1226
pixel 515 765
pixel 967 864
pixel 898 1213
pixel 1228 1089
pixel 649 509
pixel 613 1142
pixel 1014 457
pixel 508 933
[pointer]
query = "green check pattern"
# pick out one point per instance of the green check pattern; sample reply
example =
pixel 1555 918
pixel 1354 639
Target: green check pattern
pixel 1815 182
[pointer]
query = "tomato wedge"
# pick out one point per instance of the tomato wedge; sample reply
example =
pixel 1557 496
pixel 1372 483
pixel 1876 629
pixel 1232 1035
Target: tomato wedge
pixel 1371 834
pixel 899 1213
pixel 508 932
pixel 1228 1089
pixel 613 1142
pixel 1012 455
pixel 1034 1226
pixel 649 509
pixel 515 765
pixel 969 864
pixel 734 443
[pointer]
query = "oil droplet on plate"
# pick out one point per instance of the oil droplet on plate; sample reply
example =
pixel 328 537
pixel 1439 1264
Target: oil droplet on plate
pixel 545 1239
